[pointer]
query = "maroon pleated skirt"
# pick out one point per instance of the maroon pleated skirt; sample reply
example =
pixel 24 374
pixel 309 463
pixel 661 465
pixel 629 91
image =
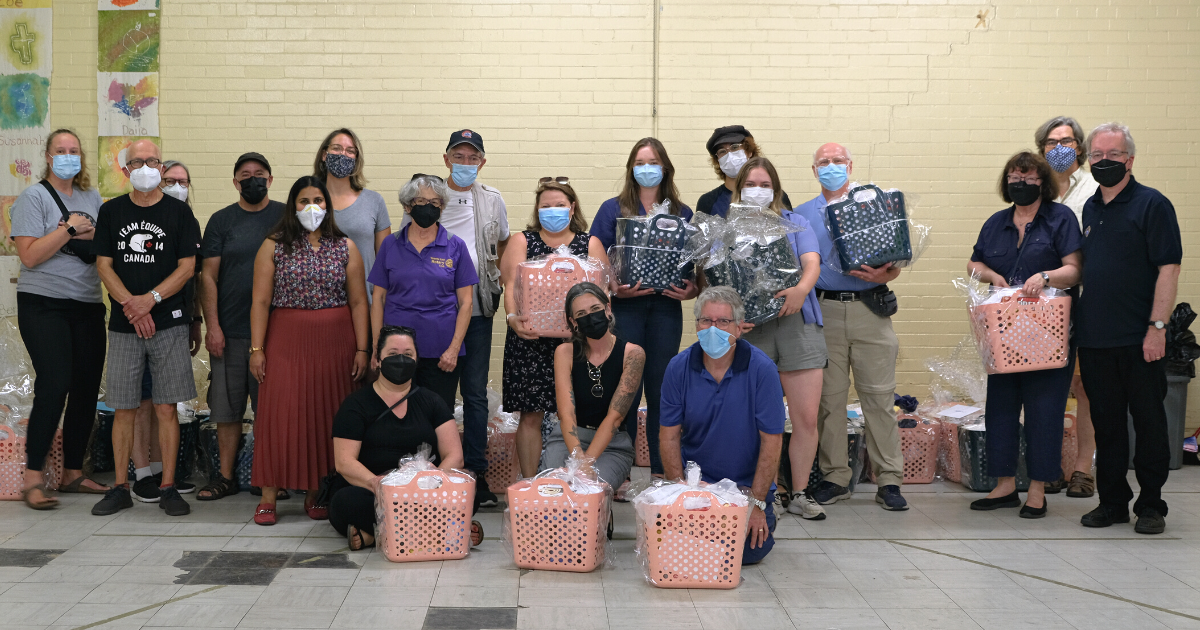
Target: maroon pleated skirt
pixel 310 355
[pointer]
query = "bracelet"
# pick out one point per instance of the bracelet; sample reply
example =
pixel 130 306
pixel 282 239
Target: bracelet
pixel 363 351
pixel 509 316
pixel 253 350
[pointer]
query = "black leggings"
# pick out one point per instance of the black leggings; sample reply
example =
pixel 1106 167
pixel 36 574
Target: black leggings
pixel 355 506
pixel 431 377
pixel 66 342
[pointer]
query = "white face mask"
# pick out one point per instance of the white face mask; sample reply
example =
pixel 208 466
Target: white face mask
pixel 311 217
pixel 731 163
pixel 760 196
pixel 145 179
pixel 177 191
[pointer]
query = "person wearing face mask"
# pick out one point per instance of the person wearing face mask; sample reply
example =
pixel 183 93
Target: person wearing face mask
pixel 60 313
pixel 424 279
pixel 722 407
pixel 146 245
pixel 728 150
pixel 859 339
pixel 528 381
pixel 360 213
pixel 232 239
pixel 378 425
pixel 1061 141
pixel 795 340
pixel 651 320
pixel 309 326
pixel 1032 244
pixel 595 378
pixel 1131 255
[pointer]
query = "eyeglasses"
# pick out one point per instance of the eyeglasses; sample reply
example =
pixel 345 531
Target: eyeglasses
pixel 723 151
pixel 1050 143
pixel 719 323
pixel 416 175
pixel 839 159
pixel 337 148
pixel 139 163
pixel 1031 179
pixel 171 181
pixel 1096 156
pixel 561 179
pixel 436 203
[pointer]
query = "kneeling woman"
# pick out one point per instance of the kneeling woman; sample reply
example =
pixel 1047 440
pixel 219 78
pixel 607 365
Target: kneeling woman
pixel 596 377
pixel 378 425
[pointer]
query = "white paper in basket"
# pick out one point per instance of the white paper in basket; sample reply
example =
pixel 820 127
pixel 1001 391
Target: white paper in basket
pixel 411 465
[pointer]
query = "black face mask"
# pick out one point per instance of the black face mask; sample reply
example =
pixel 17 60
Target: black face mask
pixel 254 189
pixel 398 368
pixel 1108 173
pixel 593 325
pixel 425 214
pixel 1023 193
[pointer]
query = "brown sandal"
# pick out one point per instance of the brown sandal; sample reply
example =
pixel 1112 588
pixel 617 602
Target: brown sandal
pixel 77 487
pixel 1082 485
pixel 48 502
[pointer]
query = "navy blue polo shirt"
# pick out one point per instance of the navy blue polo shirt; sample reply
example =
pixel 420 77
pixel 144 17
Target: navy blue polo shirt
pixel 604 224
pixel 1053 234
pixel 1124 243
pixel 721 421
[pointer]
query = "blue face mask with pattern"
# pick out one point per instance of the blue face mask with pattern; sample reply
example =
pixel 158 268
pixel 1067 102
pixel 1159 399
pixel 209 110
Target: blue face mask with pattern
pixel 338 165
pixel 1061 158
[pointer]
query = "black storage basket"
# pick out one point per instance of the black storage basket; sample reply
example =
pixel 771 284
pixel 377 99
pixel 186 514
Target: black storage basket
pixel 758 277
pixel 653 252
pixel 871 232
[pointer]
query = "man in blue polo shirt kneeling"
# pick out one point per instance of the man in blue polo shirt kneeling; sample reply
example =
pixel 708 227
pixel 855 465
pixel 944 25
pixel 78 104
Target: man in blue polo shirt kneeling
pixel 722 407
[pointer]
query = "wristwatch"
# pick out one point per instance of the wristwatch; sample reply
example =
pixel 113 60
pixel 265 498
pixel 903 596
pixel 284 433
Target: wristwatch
pixel 759 503
pixel 253 350
pixel 1158 324
pixel 156 296
pixel 71 230
pixel 1046 278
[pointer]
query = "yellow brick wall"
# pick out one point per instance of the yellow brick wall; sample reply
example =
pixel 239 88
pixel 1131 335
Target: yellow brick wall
pixel 931 96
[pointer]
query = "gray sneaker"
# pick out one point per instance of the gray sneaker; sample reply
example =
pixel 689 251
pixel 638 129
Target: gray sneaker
pixel 803 506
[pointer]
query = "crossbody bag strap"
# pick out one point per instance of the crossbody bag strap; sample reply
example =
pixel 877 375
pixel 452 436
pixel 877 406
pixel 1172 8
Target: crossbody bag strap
pixel 62 207
pixel 412 390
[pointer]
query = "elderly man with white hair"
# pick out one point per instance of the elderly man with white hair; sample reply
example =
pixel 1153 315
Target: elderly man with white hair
pixel 146 245
pixel 1131 256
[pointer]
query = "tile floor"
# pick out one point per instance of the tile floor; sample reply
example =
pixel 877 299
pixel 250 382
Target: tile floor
pixel 939 565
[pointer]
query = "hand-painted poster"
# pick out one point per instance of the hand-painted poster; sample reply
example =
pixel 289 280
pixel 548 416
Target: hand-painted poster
pixel 112 157
pixel 128 103
pixel 128 41
pixel 25 67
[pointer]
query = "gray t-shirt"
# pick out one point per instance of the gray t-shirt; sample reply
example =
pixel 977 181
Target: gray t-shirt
pixel 360 221
pixel 63 276
pixel 236 236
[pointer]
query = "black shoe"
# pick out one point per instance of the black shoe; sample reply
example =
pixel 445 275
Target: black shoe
pixel 483 495
pixel 173 503
pixel 114 501
pixel 1007 501
pixel 182 486
pixel 891 499
pixel 1032 512
pixel 1103 517
pixel 146 489
pixel 828 492
pixel 1150 522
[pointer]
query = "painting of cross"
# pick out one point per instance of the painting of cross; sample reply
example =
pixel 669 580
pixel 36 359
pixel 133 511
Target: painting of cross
pixel 22 43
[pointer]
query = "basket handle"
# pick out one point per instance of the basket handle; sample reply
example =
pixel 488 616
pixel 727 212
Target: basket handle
pixel 550 481
pixel 553 262
pixel 678 504
pixel 12 434
pixel 439 473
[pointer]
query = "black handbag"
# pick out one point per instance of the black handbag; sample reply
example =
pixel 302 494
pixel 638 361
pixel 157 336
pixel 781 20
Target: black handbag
pixel 331 483
pixel 869 228
pixel 79 248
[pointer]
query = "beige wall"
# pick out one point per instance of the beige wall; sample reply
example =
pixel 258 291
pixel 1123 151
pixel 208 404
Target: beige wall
pixel 932 97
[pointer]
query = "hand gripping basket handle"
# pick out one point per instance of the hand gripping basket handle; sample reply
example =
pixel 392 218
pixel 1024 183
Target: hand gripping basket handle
pixel 695 493
pixel 550 481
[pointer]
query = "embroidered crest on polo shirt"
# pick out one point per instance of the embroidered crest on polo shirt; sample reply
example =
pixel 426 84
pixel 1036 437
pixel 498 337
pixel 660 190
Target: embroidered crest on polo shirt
pixel 445 263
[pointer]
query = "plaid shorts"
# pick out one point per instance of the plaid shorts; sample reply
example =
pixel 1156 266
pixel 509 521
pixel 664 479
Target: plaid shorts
pixel 169 361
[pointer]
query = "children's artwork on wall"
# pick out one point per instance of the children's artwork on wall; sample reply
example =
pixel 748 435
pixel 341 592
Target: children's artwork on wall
pixel 7 246
pixel 128 103
pixel 127 5
pixel 128 41
pixel 26 38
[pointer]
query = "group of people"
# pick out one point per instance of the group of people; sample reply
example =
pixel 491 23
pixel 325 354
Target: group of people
pixel 370 335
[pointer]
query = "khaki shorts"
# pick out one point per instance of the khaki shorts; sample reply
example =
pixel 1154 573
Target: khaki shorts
pixel 791 343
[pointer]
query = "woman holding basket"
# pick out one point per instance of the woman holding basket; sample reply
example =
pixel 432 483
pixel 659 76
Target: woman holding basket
pixel 1033 244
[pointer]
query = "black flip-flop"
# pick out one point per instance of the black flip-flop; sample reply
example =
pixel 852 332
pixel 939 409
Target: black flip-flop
pixel 354 534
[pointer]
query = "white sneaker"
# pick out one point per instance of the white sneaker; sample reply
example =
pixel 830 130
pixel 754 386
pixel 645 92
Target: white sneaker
pixel 803 506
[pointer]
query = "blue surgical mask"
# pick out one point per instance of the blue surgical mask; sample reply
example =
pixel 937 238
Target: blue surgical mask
pixel 65 165
pixel 714 341
pixel 648 175
pixel 463 174
pixel 1061 158
pixel 554 219
pixel 832 176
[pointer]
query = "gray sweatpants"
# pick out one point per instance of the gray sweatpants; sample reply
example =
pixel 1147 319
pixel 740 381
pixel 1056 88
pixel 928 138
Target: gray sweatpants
pixel 613 465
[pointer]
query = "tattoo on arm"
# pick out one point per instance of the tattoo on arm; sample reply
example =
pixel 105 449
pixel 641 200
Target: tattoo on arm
pixel 631 377
pixel 573 433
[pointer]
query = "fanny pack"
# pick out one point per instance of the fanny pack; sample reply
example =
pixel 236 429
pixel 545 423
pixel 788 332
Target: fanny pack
pixel 880 301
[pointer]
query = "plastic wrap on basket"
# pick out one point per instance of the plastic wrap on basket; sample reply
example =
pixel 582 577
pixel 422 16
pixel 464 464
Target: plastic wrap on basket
pixel 16 380
pixel 653 250
pixel 501 452
pixel 751 252
pixel 558 520
pixel 958 391
pixel 422 512
pixel 542 285
pixel 1015 332
pixel 641 445
pixel 873 227
pixel 691 534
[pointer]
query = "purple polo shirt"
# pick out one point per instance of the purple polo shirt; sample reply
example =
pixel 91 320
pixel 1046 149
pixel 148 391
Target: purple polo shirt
pixel 421 285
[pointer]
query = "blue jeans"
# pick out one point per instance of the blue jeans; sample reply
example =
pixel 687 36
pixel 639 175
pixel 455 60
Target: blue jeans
pixel 473 387
pixel 654 322
pixel 756 555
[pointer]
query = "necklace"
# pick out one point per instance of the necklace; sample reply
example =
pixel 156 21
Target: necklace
pixel 595 374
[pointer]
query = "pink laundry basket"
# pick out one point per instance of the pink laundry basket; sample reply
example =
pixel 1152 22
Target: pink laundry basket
pixel 503 466
pixel 1070 447
pixel 555 529
pixel 696 548
pixel 949 460
pixel 1021 334
pixel 12 463
pixel 919 446
pixel 416 524
pixel 641 446
pixel 542 286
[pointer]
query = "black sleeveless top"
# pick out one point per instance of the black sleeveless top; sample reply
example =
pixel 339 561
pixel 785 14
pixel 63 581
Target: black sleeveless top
pixel 589 409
